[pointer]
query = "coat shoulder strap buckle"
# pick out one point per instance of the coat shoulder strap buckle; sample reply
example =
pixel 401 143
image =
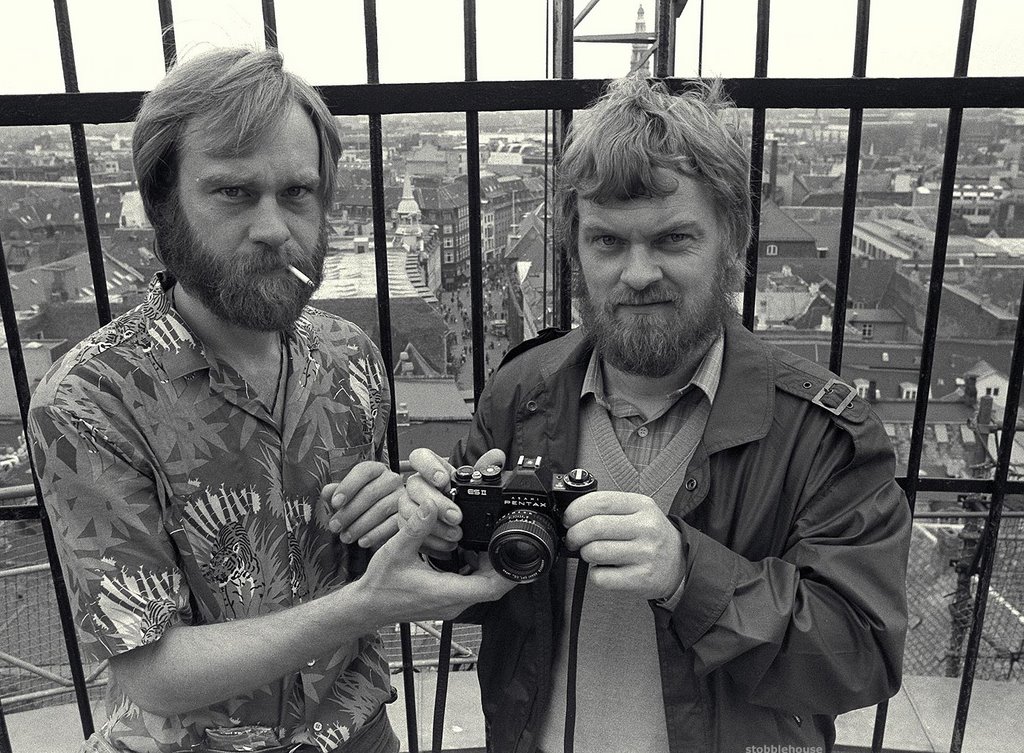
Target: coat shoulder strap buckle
pixel 836 402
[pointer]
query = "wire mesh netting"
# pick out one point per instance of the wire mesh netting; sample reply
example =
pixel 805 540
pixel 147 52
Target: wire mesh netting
pixel 941 589
pixel 942 582
pixel 34 667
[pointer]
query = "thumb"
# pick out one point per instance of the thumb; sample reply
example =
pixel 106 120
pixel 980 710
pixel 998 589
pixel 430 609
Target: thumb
pixel 491 457
pixel 414 530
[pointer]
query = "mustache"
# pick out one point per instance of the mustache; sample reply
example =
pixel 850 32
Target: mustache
pixel 652 294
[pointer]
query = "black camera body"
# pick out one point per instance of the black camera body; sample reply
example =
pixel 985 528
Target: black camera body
pixel 516 516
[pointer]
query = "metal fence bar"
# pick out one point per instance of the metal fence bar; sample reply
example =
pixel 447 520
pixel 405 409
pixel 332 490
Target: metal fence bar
pixel 81 152
pixel 380 238
pixel 990 535
pixel 269 24
pixel 5 736
pixel 945 209
pixel 860 59
pixel 556 94
pixel 476 296
pixel 756 166
pixel 21 387
pixel 18 368
pixel 380 251
pixel 664 26
pixel 562 68
pixel 167 33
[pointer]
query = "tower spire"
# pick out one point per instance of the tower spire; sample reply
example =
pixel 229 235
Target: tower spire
pixel 639 49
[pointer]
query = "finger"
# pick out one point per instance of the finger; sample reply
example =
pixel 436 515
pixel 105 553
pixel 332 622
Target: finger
pixel 431 466
pixel 362 500
pixel 449 512
pixel 615 553
pixel 361 474
pixel 414 530
pixel 376 537
pixel 419 489
pixel 491 457
pixel 602 503
pixel 611 578
pixel 439 544
pixel 407 506
pixel 327 492
pixel 603 528
pixel 380 509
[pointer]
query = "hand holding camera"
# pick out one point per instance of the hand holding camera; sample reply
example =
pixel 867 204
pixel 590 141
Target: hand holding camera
pixel 516 516
pixel 629 542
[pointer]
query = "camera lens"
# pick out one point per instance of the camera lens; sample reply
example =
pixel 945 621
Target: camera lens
pixel 523 545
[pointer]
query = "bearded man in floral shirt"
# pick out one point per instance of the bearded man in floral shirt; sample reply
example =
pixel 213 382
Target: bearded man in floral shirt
pixel 201 454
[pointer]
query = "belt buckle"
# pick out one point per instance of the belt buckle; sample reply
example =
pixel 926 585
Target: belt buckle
pixel 843 404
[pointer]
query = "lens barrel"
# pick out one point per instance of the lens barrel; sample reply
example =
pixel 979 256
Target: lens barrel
pixel 523 545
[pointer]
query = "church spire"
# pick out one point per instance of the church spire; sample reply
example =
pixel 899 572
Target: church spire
pixel 408 209
pixel 639 49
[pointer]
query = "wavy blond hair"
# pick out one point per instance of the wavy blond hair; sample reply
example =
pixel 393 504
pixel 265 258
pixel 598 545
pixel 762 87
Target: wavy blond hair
pixel 240 96
pixel 615 148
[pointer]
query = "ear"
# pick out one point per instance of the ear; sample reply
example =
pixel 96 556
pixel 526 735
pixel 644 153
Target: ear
pixel 735 268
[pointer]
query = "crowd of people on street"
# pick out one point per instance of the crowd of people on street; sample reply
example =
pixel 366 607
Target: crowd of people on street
pixel 457 311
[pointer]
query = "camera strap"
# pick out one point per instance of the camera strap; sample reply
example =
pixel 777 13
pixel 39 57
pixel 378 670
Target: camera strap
pixel 444 657
pixel 445 653
pixel 575 613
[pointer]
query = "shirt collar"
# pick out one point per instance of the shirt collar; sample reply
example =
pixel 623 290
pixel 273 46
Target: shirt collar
pixel 181 351
pixel 705 378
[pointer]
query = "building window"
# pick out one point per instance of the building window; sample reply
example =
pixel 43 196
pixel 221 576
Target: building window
pixel 449 243
pixel 992 391
pixel 867 329
pixel 910 393
pixel 447 228
pixel 449 257
pixel 771 250
pixel 885 358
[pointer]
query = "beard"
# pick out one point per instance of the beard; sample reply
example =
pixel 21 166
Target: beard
pixel 655 345
pixel 243 289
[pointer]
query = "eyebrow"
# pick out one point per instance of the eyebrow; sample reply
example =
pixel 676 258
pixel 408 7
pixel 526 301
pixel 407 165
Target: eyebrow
pixel 229 178
pixel 598 227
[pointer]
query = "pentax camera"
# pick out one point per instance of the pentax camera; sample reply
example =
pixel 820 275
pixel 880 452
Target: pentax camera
pixel 516 516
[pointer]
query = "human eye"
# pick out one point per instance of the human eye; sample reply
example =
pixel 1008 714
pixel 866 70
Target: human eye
pixel 604 241
pixel 298 192
pixel 231 192
pixel 679 239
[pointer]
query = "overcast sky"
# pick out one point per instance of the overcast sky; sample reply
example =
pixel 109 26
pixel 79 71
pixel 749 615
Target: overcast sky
pixel 117 42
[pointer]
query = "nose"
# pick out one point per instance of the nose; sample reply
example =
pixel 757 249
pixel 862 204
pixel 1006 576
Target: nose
pixel 642 268
pixel 268 225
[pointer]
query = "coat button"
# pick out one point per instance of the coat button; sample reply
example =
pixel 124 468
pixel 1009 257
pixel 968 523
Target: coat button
pixel 691 484
pixel 317 726
pixel 532 406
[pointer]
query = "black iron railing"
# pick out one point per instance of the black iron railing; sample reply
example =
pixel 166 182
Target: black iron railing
pixel 561 96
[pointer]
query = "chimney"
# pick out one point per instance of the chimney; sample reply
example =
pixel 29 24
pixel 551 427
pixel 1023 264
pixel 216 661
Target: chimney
pixel 971 390
pixel 985 413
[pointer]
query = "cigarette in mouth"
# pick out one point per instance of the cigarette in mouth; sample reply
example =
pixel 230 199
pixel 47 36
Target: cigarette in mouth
pixel 298 273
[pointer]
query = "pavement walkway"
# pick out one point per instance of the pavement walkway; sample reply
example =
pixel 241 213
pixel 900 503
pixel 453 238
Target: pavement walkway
pixel 920 719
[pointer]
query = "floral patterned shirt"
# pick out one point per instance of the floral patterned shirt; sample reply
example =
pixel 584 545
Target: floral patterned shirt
pixel 177 499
